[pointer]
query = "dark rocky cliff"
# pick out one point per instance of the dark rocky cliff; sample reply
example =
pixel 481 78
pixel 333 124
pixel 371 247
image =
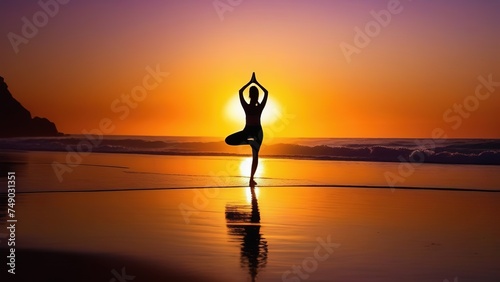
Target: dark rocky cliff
pixel 16 121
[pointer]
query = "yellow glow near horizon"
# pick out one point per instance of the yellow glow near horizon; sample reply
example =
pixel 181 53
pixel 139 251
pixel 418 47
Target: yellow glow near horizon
pixel 235 112
pixel 294 51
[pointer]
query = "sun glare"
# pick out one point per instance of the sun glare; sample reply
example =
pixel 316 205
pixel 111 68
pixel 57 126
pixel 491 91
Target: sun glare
pixel 248 194
pixel 246 167
pixel 235 112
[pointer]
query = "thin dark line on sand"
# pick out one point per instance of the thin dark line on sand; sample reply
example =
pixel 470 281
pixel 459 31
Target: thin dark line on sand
pixel 200 175
pixel 271 186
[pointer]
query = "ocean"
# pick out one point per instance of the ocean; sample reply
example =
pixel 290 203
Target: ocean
pixel 442 151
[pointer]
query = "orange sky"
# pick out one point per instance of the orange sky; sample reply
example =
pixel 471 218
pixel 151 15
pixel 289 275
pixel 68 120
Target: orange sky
pixel 424 61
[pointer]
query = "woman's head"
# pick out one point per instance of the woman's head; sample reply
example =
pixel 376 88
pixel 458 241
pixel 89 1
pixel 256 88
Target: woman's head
pixel 254 94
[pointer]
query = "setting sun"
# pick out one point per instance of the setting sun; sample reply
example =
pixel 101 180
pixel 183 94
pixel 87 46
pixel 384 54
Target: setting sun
pixel 236 114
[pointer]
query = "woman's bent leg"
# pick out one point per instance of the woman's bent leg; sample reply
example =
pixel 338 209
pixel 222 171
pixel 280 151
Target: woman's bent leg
pixel 238 138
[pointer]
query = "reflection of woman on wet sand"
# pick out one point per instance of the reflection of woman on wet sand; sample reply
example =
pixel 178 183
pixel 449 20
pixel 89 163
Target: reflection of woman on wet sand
pixel 252 134
pixel 243 224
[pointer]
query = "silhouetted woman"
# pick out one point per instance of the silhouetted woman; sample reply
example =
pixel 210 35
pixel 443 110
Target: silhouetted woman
pixel 252 134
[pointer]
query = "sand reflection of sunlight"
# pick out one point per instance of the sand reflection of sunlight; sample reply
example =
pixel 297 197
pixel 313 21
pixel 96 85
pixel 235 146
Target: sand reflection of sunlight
pixel 248 194
pixel 246 167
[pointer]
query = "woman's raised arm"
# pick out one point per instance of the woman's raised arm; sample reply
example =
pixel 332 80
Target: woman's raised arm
pixel 242 99
pixel 264 100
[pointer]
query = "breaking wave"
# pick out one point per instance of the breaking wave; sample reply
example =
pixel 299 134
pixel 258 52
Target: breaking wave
pixel 452 151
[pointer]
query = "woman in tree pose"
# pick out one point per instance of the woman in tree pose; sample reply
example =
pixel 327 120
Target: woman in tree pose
pixel 252 134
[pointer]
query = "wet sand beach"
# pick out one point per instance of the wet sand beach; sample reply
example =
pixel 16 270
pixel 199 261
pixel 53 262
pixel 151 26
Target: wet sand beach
pixel 281 233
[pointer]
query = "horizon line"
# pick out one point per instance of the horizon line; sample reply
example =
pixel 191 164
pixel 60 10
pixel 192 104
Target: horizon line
pixel 283 137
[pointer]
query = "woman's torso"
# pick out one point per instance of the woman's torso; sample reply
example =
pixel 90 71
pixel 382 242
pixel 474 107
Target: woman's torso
pixel 253 113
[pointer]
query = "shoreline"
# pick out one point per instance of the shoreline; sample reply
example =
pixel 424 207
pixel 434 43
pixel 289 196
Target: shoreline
pixel 286 186
pixel 119 171
pixel 277 157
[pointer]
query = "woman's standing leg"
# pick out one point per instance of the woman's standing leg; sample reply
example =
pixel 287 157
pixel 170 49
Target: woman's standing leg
pixel 255 144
